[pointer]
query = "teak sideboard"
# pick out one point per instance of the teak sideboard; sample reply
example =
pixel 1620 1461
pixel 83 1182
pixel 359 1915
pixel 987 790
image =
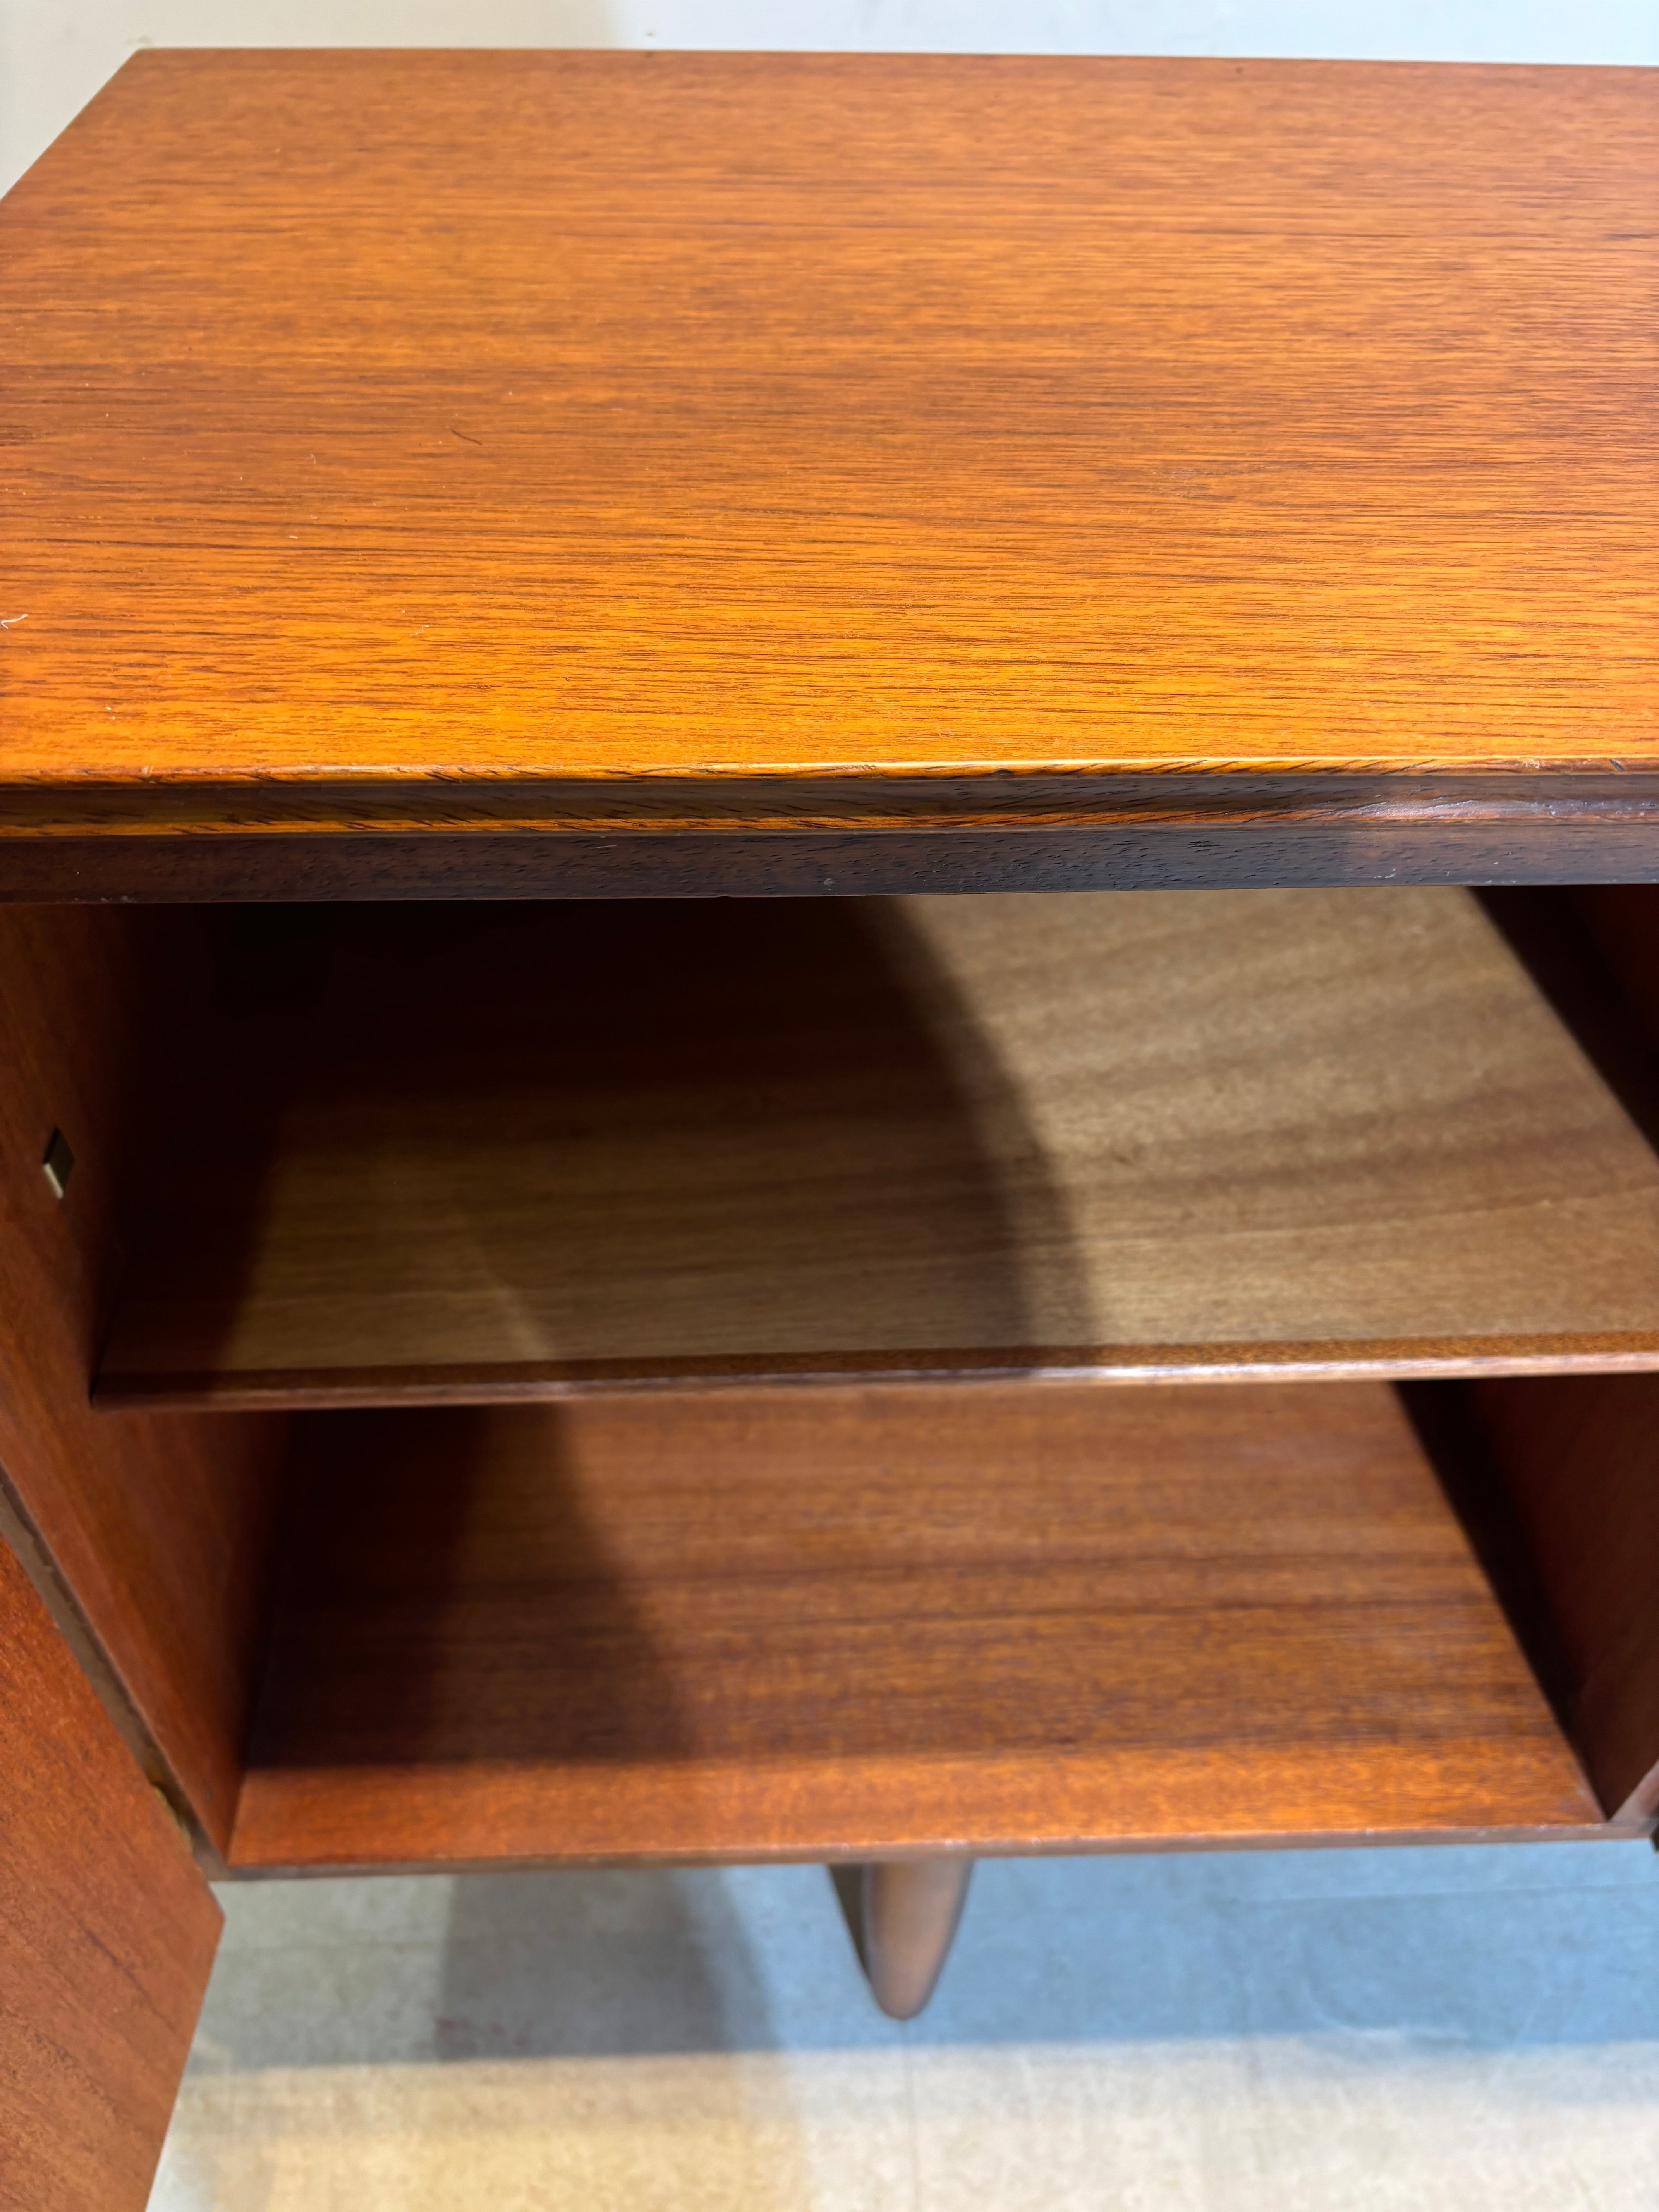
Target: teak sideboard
pixel 829 1010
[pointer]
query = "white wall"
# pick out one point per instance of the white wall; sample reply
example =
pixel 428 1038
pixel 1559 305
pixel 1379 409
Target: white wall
pixel 54 54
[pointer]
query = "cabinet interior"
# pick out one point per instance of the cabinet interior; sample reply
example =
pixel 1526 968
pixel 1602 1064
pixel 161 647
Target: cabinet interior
pixel 508 1151
pixel 652 1379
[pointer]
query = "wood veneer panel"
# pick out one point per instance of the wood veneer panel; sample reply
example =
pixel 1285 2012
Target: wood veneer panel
pixel 107 1932
pixel 828 441
pixel 750 1624
pixel 512 1152
pixel 1572 1462
pixel 1622 922
pixel 1577 1466
pixel 160 1525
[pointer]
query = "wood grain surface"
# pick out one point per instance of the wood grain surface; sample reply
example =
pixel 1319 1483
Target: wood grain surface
pixel 107 1931
pixel 500 443
pixel 1575 1459
pixel 754 1624
pixel 507 1151
pixel 159 1525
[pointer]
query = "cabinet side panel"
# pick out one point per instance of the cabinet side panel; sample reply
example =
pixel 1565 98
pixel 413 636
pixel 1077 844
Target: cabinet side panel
pixel 107 1932
pixel 1573 1462
pixel 158 1525
pixel 1577 1458
pixel 1622 922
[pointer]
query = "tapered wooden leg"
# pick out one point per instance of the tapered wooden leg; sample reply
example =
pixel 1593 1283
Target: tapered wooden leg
pixel 902 1914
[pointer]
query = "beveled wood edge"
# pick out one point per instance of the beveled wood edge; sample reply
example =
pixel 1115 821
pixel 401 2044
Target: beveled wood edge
pixel 1174 794
pixel 529 1383
pixel 178 867
pixel 1621 1829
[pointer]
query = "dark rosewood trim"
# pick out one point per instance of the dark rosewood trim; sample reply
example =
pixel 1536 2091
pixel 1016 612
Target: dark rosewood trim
pixel 1545 847
pixel 833 803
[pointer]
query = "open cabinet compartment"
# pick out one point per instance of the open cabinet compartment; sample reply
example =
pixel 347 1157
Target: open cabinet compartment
pixel 497 1152
pixel 812 1241
pixel 865 1621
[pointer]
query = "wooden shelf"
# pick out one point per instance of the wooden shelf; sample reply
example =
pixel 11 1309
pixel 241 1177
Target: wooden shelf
pixel 473 1153
pixel 753 1623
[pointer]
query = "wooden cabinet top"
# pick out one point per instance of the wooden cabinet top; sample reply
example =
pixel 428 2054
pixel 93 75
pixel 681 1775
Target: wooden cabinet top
pixel 401 441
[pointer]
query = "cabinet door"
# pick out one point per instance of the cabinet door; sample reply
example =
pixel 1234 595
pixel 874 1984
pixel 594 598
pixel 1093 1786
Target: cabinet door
pixel 107 1930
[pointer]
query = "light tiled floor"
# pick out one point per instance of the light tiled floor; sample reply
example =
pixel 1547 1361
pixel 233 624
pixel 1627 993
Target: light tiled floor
pixel 1428 2029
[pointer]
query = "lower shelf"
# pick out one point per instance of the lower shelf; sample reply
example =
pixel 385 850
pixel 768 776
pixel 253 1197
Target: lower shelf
pixel 868 1621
